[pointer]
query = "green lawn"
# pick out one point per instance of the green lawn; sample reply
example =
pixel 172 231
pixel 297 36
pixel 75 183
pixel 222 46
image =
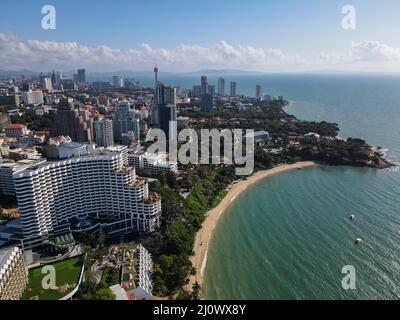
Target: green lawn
pixel 125 277
pixel 67 277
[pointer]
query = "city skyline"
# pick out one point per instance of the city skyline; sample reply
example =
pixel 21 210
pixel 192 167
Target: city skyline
pixel 213 39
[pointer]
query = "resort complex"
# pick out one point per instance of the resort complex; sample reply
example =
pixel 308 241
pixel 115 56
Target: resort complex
pixel 99 187
pixel 13 274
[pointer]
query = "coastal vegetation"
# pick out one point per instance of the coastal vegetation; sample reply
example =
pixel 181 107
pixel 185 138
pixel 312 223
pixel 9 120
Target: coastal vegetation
pixel 182 219
pixel 297 140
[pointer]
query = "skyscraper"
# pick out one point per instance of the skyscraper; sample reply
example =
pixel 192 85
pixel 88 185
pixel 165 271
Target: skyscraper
pixel 81 76
pixel 166 101
pixel 204 85
pixel 221 87
pixel 73 122
pixel 259 91
pixel 196 91
pixel 103 132
pixel 154 109
pixel 124 120
pixel 233 92
pixel 207 102
pixel 118 82
pixel 46 83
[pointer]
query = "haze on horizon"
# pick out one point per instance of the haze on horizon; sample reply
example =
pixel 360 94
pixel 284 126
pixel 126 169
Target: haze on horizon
pixel 257 35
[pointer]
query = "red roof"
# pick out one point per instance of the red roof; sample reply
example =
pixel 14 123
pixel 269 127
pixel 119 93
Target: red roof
pixel 15 126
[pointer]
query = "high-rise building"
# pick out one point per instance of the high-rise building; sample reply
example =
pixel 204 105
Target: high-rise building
pixel 211 90
pixel 73 122
pixel 118 82
pixel 166 95
pixel 233 88
pixel 207 102
pixel 10 99
pixel 59 77
pixel 53 78
pixel 33 97
pixel 196 91
pixel 46 83
pixel 168 122
pixel 154 107
pixel 7 169
pixel 259 91
pixel 221 87
pixel 103 132
pixel 204 85
pixel 81 76
pixel 56 78
pixel 13 275
pixel 98 187
pixel 68 84
pixel 125 120
pixel 167 114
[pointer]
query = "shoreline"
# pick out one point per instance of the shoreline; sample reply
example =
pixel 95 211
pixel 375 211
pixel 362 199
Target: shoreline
pixel 204 235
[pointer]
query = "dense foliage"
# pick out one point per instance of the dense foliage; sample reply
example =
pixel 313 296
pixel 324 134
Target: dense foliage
pixel 36 123
pixel 182 219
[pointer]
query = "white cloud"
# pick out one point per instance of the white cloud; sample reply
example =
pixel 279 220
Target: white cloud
pixel 17 53
pixel 374 51
pixel 34 54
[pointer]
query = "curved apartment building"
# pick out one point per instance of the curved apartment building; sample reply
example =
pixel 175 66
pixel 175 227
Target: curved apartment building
pixel 99 186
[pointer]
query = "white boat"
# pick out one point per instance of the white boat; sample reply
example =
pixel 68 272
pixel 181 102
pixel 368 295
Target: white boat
pixel 352 217
pixel 359 241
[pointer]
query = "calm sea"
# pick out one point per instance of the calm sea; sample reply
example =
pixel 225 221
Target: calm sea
pixel 289 236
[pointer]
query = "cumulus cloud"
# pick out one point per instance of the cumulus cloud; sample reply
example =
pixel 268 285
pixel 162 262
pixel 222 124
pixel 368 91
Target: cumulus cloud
pixel 374 51
pixel 17 53
pixel 31 54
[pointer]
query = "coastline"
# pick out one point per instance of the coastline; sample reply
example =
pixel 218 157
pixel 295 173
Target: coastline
pixel 204 235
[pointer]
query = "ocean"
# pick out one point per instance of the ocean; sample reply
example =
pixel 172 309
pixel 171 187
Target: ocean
pixel 289 236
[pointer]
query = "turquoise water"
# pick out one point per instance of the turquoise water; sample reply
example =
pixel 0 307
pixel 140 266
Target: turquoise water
pixel 288 236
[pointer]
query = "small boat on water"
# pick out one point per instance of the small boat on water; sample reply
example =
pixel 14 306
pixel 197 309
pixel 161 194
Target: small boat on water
pixel 359 241
pixel 352 217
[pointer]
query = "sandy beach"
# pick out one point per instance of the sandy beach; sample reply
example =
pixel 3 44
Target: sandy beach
pixel 203 237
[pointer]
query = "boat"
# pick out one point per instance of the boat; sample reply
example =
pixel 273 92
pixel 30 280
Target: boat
pixel 352 217
pixel 359 241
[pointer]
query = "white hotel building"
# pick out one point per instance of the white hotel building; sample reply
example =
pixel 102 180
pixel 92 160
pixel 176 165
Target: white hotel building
pixel 145 270
pixel 98 186
pixel 13 275
pixel 152 163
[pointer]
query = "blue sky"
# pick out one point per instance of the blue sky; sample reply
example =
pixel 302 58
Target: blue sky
pixel 299 31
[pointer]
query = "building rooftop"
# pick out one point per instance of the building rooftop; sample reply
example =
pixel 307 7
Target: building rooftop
pixel 119 292
pixel 71 145
pixel 5 253
pixel 22 164
pixel 15 126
